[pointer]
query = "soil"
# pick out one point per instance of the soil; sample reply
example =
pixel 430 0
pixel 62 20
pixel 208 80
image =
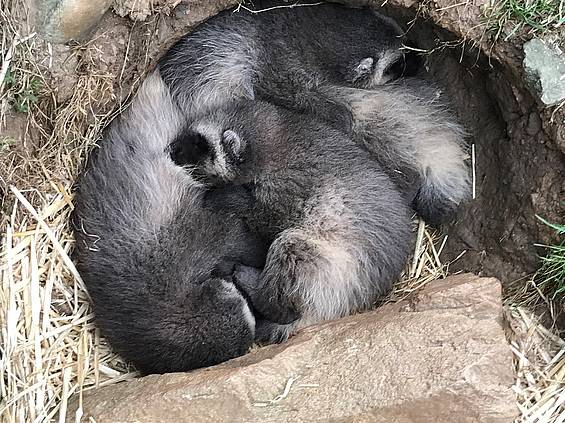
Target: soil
pixel 520 162
pixel 520 171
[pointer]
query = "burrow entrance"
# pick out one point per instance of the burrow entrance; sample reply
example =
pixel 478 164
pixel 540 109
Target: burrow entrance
pixel 519 170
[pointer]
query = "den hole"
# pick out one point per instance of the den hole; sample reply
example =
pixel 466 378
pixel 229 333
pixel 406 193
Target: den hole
pixel 493 234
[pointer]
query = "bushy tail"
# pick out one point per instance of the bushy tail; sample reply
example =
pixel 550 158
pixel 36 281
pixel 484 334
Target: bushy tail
pixel 142 250
pixel 411 132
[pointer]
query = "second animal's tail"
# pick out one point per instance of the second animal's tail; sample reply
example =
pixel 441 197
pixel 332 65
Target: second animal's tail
pixel 410 131
pixel 145 247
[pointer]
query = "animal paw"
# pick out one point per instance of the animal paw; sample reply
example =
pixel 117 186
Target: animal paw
pixel 267 301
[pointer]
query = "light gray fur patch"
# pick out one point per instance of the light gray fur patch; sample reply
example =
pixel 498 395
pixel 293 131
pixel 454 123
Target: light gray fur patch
pixel 150 123
pixel 425 136
pixel 231 292
pixel 229 78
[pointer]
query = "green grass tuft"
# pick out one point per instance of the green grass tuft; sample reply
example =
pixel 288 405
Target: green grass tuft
pixel 507 17
pixel 551 274
pixel 25 92
pixel 6 143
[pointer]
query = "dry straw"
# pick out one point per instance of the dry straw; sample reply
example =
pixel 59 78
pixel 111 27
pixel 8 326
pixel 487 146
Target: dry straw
pixel 539 356
pixel 50 348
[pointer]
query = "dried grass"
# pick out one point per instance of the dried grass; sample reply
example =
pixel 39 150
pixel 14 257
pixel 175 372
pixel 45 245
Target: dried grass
pixel 50 346
pixel 425 264
pixel 539 356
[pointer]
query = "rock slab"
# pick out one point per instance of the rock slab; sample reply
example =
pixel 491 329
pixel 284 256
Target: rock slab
pixel 65 20
pixel 544 66
pixel 440 356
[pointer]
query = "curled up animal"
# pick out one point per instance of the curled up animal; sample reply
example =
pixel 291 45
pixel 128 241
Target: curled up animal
pixel 240 197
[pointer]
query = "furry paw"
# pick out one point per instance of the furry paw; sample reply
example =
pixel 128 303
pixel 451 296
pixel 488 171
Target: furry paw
pixel 272 333
pixel 433 207
pixel 270 303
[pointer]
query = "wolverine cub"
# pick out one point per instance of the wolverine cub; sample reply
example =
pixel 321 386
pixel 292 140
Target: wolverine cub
pixel 284 55
pixel 338 228
pixel 339 64
pixel 157 262
pixel 408 127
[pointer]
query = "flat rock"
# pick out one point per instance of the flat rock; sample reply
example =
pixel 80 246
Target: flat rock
pixel 544 66
pixel 440 356
pixel 65 20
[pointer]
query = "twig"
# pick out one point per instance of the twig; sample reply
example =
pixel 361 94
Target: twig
pixel 290 6
pixel 65 257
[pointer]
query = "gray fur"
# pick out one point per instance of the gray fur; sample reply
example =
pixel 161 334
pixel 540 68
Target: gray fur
pixel 157 263
pixel 334 62
pixel 408 128
pixel 283 56
pixel 339 227
pixel 340 230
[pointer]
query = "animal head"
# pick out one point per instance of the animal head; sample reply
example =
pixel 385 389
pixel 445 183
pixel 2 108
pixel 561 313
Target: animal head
pixel 211 149
pixel 376 52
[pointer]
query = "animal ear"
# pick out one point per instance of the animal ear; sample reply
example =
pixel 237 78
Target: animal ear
pixel 233 144
pixel 364 68
pixel 397 64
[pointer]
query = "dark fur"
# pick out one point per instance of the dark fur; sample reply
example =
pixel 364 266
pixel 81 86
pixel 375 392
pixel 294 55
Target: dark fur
pixel 409 129
pixel 314 59
pixel 168 308
pixel 340 230
pixel 157 261
pixel 284 56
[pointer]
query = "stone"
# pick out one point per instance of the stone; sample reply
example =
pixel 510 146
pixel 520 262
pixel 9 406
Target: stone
pixel 544 66
pixel 440 356
pixel 66 20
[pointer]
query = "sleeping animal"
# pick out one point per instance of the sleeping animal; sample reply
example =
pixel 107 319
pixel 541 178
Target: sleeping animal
pixel 338 227
pixel 340 64
pixel 285 55
pixel 158 263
